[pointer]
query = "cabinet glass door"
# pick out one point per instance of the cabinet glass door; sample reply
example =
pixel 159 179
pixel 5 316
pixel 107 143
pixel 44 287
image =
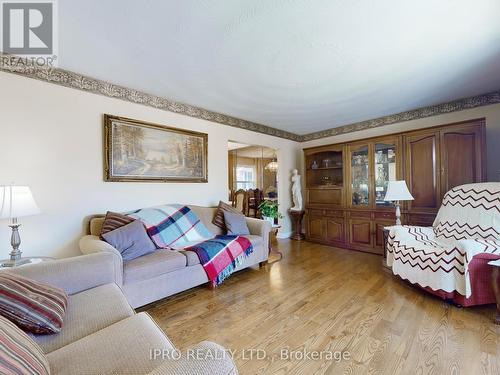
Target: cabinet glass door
pixel 385 170
pixel 360 173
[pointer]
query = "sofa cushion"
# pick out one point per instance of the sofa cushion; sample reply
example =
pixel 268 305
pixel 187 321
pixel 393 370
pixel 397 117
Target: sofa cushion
pixel 122 348
pixel 32 305
pixel 151 265
pixel 236 224
pixel 83 318
pixel 192 258
pixel 131 240
pixel 19 354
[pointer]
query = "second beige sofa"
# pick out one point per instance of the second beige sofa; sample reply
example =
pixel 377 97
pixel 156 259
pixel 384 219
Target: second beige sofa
pixel 102 334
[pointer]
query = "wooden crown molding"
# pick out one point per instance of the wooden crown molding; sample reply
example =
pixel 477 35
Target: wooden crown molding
pixel 26 68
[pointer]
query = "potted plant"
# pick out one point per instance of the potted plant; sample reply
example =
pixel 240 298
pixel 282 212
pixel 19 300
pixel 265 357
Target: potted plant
pixel 269 211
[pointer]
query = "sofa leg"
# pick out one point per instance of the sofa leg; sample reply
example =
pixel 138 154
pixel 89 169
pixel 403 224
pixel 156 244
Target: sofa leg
pixel 211 286
pixel 262 264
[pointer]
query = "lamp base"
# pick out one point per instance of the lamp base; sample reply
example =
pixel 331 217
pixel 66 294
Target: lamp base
pixel 398 213
pixel 15 241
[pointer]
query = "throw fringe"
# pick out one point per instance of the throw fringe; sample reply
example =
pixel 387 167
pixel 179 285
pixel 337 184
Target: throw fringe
pixel 231 267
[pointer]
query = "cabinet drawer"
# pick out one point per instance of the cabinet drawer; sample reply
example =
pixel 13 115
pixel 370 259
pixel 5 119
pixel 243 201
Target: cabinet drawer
pixel 360 214
pixel 334 213
pixel 325 196
pixel 385 215
pixel 315 212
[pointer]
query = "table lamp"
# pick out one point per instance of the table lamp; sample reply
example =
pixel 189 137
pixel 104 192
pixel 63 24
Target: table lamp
pixel 397 191
pixel 16 202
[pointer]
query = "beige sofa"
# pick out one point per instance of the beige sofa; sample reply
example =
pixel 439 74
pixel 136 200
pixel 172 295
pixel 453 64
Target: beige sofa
pixel 165 272
pixel 103 335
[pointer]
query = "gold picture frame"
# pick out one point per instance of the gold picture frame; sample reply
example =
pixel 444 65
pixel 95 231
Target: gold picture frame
pixel 138 151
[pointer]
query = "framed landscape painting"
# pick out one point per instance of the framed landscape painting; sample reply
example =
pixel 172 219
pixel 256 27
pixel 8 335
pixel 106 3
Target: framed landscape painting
pixel 140 151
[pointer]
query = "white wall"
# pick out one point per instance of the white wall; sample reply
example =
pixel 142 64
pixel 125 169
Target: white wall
pixel 51 140
pixel 490 112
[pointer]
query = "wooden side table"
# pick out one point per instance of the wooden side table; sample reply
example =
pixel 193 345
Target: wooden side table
pixel 272 241
pixel 386 239
pixel 495 280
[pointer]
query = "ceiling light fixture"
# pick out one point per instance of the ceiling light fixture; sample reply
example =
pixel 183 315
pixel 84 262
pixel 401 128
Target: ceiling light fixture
pixel 272 166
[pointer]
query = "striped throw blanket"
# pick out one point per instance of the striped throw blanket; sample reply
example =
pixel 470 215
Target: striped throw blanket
pixel 178 227
pixel 438 257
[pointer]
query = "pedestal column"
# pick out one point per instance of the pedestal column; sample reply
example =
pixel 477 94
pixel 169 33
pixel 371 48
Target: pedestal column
pixel 297 217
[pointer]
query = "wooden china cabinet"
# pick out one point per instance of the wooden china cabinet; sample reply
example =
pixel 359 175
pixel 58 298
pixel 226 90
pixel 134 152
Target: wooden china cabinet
pixel 436 160
pixel 346 183
pixel 371 165
pixel 325 194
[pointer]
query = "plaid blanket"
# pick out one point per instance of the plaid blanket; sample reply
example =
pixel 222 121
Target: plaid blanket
pixel 220 255
pixel 172 225
pixel 178 227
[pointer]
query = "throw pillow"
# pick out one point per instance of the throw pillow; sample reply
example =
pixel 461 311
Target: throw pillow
pixel 32 305
pixel 219 214
pixel 20 354
pixel 114 220
pixel 131 240
pixel 236 223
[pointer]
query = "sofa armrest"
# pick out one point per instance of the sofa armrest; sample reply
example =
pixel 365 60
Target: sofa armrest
pixel 74 274
pixel 407 235
pixel 93 244
pixel 473 247
pixel 204 358
pixel 260 228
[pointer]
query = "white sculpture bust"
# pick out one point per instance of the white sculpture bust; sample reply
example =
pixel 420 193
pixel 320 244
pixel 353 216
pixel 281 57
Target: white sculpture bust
pixel 296 191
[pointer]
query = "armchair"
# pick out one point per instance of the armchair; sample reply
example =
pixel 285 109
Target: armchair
pixel 450 258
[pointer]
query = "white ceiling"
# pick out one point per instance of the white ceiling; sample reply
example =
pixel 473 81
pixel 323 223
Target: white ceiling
pixel 296 65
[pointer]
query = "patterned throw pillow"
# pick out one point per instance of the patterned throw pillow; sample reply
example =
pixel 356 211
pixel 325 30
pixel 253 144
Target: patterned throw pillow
pixel 19 354
pixel 34 306
pixel 114 220
pixel 219 214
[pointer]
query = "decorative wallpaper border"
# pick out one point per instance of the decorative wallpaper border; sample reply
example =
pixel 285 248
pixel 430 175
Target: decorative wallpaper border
pixel 433 110
pixel 27 68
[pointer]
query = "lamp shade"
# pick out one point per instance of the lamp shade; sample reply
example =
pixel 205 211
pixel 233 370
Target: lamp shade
pixel 398 191
pixel 17 201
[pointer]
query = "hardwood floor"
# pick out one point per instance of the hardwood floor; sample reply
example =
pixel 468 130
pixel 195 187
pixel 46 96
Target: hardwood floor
pixel 320 298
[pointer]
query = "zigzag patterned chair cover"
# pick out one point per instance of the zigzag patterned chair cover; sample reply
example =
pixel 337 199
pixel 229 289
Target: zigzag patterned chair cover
pixel 438 257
